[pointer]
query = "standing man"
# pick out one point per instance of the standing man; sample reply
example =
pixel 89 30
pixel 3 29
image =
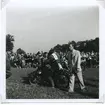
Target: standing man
pixel 74 63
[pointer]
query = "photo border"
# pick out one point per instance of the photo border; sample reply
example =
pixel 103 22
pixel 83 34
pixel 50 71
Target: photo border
pixel 101 65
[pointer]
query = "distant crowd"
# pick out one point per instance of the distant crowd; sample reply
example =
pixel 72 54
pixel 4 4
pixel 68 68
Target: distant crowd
pixel 33 60
pixel 90 59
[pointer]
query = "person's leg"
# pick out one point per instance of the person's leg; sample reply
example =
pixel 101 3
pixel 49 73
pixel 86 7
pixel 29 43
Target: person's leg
pixel 51 81
pixel 71 83
pixel 80 78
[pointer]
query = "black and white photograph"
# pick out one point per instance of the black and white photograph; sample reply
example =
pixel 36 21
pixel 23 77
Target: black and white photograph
pixel 52 51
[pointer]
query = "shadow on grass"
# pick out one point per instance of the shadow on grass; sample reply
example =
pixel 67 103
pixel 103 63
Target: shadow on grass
pixel 93 79
pixel 87 93
pixel 91 83
pixel 25 80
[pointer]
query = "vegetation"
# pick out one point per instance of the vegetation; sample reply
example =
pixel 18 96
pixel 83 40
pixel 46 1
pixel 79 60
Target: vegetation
pixel 86 46
pixel 9 42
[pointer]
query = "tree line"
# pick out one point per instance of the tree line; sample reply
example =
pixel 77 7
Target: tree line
pixel 85 46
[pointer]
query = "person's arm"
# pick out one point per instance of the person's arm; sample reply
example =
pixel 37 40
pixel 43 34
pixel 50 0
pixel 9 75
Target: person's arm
pixel 78 61
pixel 58 61
pixel 60 66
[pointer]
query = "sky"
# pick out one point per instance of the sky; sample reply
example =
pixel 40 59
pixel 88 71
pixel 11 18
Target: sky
pixel 40 26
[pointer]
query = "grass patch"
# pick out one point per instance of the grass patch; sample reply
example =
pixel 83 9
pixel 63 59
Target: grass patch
pixel 15 89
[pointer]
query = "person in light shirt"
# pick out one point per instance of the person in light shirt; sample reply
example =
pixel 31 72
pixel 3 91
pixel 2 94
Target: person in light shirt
pixel 74 64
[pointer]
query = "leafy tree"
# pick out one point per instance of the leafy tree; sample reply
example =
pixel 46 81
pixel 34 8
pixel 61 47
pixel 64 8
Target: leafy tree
pixel 89 45
pixel 85 46
pixel 58 47
pixel 74 43
pixel 9 42
pixel 96 41
pixel 64 47
pixel 20 51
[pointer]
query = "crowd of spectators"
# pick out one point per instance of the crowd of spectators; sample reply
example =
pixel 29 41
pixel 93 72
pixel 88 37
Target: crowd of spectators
pixel 27 60
pixel 90 59
pixel 33 60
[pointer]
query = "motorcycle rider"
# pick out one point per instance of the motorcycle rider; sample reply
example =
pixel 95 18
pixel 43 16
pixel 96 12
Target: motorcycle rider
pixel 55 63
pixel 55 60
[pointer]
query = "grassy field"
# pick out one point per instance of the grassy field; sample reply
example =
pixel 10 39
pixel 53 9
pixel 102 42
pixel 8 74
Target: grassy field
pixel 16 89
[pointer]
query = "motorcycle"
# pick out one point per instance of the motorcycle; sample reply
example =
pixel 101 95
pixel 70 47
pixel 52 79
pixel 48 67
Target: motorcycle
pixel 60 77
